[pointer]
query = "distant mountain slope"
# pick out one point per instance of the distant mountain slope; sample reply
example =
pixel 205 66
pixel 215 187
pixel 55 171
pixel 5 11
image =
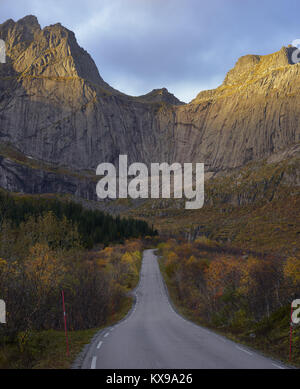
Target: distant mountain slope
pixel 160 96
pixel 253 114
pixel 56 109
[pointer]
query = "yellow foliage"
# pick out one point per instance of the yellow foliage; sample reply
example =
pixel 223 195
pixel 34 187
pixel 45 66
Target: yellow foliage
pixel 3 263
pixel 107 252
pixel 127 258
pixel 205 241
pixel 132 246
pixel 292 269
pixel 192 260
pixel 171 257
pixel 222 272
pixel 43 267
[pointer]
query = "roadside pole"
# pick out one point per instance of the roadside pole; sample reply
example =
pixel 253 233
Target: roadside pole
pixel 291 332
pixel 65 321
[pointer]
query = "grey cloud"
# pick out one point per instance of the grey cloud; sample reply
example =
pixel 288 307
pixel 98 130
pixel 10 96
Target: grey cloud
pixel 139 45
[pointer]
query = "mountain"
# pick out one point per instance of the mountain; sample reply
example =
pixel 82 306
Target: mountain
pixel 59 119
pixel 254 113
pixel 160 96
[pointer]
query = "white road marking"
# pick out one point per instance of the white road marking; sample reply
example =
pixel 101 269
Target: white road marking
pixel 99 345
pixel 106 334
pixel 93 365
pixel 279 367
pixel 245 351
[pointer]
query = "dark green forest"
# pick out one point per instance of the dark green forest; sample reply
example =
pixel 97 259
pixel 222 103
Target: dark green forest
pixel 93 226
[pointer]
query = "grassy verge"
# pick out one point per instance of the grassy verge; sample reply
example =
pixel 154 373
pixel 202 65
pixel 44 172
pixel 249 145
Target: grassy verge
pixel 271 334
pixel 47 349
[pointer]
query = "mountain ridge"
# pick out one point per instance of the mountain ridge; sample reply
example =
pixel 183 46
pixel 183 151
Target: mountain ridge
pixel 55 107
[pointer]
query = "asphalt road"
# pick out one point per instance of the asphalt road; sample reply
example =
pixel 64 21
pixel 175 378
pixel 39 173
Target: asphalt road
pixel 154 336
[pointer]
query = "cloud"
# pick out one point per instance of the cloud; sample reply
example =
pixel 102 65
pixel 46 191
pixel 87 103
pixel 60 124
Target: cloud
pixel 139 45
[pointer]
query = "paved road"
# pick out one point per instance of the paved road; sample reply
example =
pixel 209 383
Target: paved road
pixel 154 336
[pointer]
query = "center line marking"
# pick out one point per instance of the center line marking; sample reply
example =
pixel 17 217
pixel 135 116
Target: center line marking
pixel 279 367
pixel 99 345
pixel 93 365
pixel 245 351
pixel 106 334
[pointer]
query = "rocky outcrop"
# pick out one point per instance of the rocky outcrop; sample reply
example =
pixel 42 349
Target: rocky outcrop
pixel 17 177
pixel 253 114
pixel 160 96
pixel 55 107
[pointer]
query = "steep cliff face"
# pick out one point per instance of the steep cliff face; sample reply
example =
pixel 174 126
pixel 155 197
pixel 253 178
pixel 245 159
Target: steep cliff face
pixel 253 114
pixel 21 178
pixel 55 107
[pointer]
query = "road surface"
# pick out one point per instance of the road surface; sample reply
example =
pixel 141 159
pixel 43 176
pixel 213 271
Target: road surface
pixel 154 336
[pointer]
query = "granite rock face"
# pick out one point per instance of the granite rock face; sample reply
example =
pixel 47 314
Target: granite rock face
pixel 22 179
pixel 253 114
pixel 55 107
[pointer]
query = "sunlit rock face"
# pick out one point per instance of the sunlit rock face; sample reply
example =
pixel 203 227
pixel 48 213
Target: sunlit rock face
pixel 55 107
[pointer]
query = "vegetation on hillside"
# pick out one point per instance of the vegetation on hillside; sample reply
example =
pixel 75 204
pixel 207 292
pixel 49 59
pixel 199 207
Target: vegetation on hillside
pixel 93 226
pixel 243 295
pixel 43 251
pixel 256 207
pixel 95 286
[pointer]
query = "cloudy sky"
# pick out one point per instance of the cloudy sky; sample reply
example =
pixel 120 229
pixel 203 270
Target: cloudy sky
pixel 183 45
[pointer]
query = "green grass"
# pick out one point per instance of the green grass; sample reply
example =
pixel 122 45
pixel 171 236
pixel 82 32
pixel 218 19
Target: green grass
pixel 47 349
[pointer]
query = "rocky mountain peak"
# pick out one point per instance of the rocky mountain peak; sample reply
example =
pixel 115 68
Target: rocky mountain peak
pixel 18 35
pixel 249 66
pixel 30 21
pixel 55 107
pixel 51 52
pixel 27 24
pixel 253 71
pixel 161 95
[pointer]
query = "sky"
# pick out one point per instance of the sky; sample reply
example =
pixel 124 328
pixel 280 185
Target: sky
pixel 183 45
